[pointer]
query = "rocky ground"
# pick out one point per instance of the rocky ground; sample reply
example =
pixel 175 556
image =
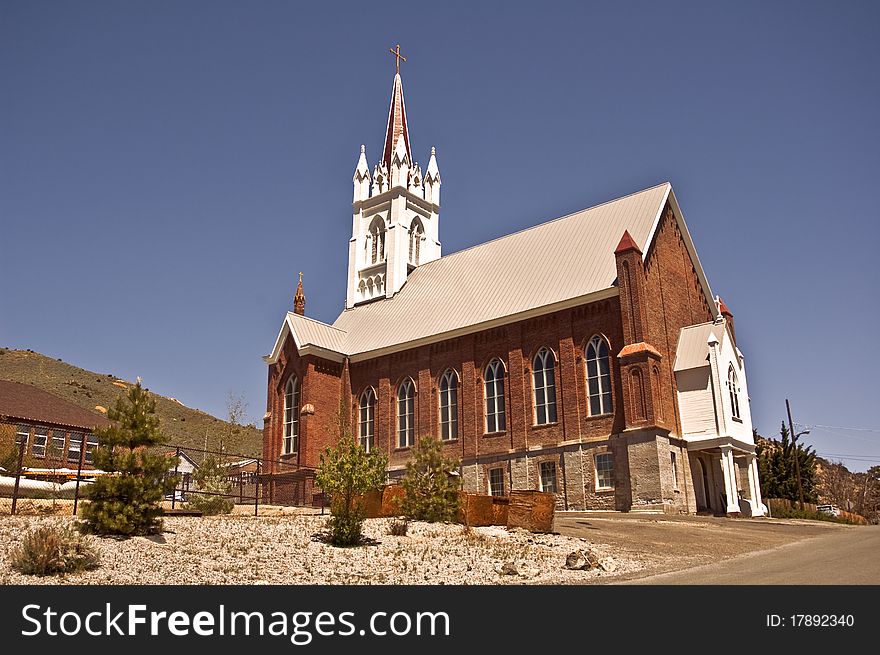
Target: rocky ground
pixel 288 549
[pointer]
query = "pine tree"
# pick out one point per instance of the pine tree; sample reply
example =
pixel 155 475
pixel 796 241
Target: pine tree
pixel 211 480
pixel 431 493
pixel 346 472
pixel 127 500
pixel 776 468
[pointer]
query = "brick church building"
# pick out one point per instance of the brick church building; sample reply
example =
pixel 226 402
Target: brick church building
pixel 585 356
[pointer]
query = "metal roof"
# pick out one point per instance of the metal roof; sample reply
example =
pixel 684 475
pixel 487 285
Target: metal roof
pixel 29 404
pixel 566 261
pixel 693 345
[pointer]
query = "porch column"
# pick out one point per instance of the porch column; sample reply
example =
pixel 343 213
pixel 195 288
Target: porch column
pixel 755 483
pixel 729 471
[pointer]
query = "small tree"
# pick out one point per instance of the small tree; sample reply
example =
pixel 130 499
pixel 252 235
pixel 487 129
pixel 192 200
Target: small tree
pixel 430 484
pixel 211 480
pixel 127 501
pixel 346 472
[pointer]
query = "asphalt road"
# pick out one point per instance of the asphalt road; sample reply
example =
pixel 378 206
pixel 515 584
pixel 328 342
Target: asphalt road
pixel 846 557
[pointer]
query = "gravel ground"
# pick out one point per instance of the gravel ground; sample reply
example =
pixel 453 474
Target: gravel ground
pixel 287 549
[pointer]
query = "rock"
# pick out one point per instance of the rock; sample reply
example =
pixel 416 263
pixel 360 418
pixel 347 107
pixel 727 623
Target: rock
pixel 509 568
pixel 581 560
pixel 575 560
pixel 607 565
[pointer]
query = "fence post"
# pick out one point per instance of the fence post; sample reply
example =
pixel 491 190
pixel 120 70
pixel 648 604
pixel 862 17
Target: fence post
pixel 256 490
pixel 176 464
pixel 21 448
pixel 240 487
pixel 79 468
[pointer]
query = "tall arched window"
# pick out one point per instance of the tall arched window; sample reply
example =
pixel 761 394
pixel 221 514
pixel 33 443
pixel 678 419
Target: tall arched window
pixel 598 377
pixel 291 416
pixel 494 386
pixel 367 419
pixel 415 241
pixel 545 387
pixel 406 431
pixel 377 238
pixel 733 390
pixel 449 406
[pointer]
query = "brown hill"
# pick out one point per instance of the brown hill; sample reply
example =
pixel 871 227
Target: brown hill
pixel 183 425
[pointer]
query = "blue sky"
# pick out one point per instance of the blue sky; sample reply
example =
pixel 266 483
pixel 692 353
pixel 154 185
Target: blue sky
pixel 166 169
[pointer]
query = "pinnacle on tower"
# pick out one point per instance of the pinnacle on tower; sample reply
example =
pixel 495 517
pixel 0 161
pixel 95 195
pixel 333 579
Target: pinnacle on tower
pixel 299 300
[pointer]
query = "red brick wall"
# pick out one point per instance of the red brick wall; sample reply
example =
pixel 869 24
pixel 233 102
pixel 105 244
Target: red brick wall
pixel 674 299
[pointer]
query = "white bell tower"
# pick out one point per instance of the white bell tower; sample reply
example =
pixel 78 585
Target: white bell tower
pixel 395 213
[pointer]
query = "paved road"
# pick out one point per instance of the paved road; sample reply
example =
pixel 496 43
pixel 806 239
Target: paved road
pixel 846 557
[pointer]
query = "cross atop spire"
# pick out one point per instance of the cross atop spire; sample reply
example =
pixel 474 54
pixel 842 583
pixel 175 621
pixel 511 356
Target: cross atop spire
pixel 398 57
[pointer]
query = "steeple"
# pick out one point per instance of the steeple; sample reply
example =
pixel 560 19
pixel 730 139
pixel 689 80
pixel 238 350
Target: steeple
pixel 396 129
pixel 395 211
pixel 299 300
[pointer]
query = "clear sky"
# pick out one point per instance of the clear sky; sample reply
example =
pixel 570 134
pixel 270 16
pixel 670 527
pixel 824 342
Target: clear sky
pixel 166 169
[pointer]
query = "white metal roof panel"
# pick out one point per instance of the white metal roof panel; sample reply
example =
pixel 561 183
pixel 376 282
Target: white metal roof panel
pixel 693 348
pixel 560 260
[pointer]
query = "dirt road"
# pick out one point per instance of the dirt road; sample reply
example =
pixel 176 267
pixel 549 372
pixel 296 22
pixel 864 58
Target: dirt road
pixel 673 543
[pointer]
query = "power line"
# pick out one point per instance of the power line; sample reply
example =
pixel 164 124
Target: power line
pixel 840 427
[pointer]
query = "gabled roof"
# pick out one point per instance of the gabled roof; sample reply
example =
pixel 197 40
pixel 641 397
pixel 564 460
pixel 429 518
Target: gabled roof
pixel 27 403
pixel 561 263
pixel 693 345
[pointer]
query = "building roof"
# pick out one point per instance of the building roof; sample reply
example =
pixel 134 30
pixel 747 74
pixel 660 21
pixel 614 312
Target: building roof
pixel 564 262
pixel 27 403
pixel 693 345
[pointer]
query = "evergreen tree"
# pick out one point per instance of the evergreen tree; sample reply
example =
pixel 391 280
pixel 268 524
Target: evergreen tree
pixel 346 472
pixel 127 500
pixel 431 492
pixel 211 480
pixel 776 467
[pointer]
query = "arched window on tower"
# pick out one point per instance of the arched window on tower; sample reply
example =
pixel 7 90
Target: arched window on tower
pixel 376 237
pixel 733 390
pixel 496 420
pixel 406 431
pixel 367 419
pixel 598 377
pixel 449 406
pixel 544 387
pixel 291 417
pixel 416 231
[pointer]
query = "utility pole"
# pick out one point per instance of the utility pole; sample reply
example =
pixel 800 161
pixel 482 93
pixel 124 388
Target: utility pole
pixel 797 465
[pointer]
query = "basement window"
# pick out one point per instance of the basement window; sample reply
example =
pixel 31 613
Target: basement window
pixel 496 482
pixel 604 471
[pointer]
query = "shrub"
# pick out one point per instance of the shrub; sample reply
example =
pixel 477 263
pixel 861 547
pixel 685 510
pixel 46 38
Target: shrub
pixel 128 501
pixel 48 550
pixel 345 473
pixel 398 527
pixel 211 478
pixel 431 484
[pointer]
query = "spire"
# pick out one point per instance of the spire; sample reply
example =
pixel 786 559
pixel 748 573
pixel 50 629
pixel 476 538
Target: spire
pixel 626 243
pixel 361 178
pixel 299 300
pixel 396 124
pixel 432 179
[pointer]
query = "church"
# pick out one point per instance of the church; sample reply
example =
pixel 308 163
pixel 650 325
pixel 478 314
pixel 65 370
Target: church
pixel 585 356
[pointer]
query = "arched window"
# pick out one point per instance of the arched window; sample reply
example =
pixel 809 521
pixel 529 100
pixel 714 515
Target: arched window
pixel 449 406
pixel 377 239
pixel 494 386
pixel 291 416
pixel 545 387
pixel 415 241
pixel 367 419
pixel 598 377
pixel 733 390
pixel 406 431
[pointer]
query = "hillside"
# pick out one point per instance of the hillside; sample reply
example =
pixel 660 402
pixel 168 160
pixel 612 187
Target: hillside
pixel 183 425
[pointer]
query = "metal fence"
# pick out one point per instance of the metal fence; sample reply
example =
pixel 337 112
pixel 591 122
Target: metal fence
pixel 46 471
